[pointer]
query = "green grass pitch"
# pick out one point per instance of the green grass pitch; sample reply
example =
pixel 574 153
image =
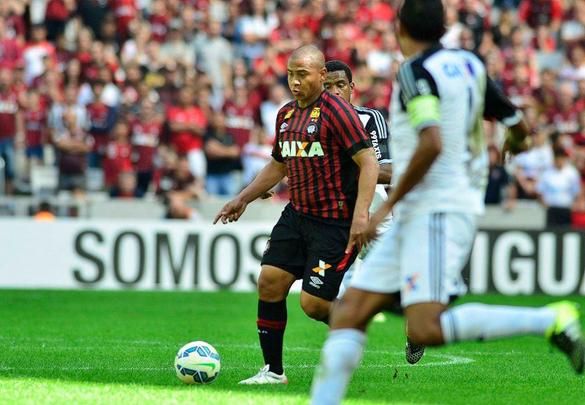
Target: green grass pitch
pixel 69 347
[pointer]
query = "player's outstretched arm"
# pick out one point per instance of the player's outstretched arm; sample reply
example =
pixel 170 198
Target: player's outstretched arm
pixel 268 177
pixel 368 164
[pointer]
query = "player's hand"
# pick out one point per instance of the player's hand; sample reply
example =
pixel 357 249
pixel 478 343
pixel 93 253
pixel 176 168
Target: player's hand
pixel 372 229
pixel 375 221
pixel 513 148
pixel 357 233
pixel 231 212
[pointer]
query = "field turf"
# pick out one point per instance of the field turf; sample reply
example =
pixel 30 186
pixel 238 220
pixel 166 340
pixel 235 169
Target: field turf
pixel 68 347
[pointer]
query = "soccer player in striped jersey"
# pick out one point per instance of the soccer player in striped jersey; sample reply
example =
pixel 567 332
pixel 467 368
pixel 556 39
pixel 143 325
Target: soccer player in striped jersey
pixel 438 150
pixel 323 149
pixel 339 81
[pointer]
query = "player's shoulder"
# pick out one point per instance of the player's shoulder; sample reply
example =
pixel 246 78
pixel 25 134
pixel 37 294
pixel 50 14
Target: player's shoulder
pixel 286 109
pixel 368 111
pixel 334 101
pixel 372 118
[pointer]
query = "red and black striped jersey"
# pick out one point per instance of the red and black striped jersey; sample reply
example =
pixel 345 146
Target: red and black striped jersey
pixel 317 144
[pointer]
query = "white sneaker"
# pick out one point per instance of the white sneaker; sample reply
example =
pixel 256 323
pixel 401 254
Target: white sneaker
pixel 265 376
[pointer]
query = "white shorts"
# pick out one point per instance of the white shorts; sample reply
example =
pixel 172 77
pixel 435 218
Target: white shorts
pixel 357 264
pixel 197 163
pixel 421 257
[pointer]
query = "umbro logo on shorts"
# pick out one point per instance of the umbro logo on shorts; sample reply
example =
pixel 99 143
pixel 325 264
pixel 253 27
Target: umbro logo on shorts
pixel 316 280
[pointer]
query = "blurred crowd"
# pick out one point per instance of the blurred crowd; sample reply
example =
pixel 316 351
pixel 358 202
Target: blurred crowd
pixel 178 98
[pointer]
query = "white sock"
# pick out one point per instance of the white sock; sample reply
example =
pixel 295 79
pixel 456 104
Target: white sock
pixel 340 356
pixel 480 321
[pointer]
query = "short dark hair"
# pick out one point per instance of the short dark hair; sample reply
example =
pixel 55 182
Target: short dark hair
pixel 424 20
pixel 336 65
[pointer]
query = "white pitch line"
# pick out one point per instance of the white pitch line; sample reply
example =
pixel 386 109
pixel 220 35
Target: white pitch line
pixel 448 361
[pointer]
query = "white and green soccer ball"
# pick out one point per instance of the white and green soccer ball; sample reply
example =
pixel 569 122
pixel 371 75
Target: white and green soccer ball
pixel 197 363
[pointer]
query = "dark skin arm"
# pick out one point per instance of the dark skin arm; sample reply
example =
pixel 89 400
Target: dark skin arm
pixel 385 174
pixel 429 148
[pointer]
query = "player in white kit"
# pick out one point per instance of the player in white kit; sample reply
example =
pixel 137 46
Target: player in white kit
pixel 439 171
pixel 339 81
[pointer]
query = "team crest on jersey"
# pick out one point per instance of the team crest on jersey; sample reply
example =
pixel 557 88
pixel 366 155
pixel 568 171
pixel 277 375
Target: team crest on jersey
pixel 316 113
pixel 312 128
pixel 300 149
pixel 289 114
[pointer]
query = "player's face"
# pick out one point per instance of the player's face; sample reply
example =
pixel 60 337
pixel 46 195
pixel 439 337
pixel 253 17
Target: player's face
pixel 305 80
pixel 400 38
pixel 337 83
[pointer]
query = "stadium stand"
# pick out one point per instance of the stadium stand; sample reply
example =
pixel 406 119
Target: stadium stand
pixel 118 97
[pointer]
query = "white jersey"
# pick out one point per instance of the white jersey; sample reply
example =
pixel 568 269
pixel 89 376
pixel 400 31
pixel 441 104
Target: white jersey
pixel 456 180
pixel 377 128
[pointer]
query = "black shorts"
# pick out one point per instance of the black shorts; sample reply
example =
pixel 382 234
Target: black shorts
pixel 311 250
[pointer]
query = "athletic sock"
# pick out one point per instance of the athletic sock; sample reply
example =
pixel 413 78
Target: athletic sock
pixel 340 356
pixel 480 321
pixel 271 324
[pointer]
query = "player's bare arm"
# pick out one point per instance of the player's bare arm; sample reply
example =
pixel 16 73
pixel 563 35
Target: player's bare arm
pixel 385 174
pixel 429 148
pixel 368 164
pixel 268 177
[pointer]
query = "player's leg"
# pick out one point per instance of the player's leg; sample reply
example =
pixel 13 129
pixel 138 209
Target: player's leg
pixel 325 268
pixel 373 289
pixel 345 344
pixel 431 323
pixel 273 287
pixel 315 307
pixel 283 263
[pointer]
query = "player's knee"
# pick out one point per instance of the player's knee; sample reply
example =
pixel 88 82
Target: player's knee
pixel 315 308
pixel 272 288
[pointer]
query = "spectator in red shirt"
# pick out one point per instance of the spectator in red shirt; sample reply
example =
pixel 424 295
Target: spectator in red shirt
pixel 125 11
pixel 519 90
pixel 159 21
pixel 35 123
pixel 56 16
pixel 565 117
pixel 118 156
pixel 187 125
pixel 13 14
pixel 10 49
pixel 240 116
pixel 11 125
pixel 146 131
pixel 102 119
pixel 537 12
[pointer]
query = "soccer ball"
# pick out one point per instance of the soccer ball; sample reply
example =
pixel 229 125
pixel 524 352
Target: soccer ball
pixel 197 363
